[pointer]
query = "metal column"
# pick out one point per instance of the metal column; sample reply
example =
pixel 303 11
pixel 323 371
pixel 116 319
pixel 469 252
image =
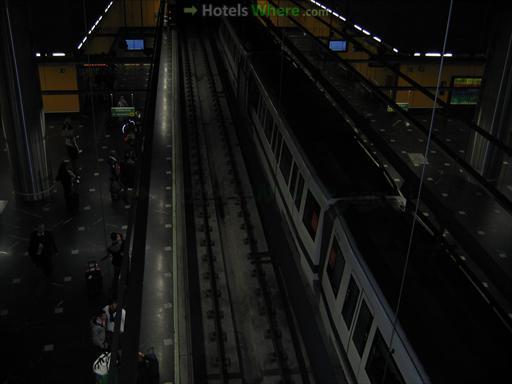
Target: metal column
pixel 21 112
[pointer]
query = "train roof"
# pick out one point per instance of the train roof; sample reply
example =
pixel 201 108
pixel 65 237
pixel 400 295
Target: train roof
pixel 251 34
pixel 337 156
pixel 455 333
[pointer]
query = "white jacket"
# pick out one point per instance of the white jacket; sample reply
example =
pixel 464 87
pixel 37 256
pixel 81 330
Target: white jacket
pixel 111 321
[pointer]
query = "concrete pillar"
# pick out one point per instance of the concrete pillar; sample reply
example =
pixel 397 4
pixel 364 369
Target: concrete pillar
pixel 21 110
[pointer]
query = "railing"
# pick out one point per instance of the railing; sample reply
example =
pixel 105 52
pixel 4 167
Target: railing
pixel 123 367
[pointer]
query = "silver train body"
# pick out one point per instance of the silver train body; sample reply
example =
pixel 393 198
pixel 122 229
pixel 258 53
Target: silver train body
pixel 354 311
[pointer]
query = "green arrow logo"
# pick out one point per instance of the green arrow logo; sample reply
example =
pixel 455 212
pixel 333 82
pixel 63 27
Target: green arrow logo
pixel 192 10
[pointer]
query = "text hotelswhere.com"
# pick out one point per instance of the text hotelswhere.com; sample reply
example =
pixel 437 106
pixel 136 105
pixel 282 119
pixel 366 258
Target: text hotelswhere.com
pixel 211 10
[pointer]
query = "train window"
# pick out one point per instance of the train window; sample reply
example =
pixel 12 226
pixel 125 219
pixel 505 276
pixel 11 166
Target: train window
pixel 335 266
pixel 349 306
pixel 274 135
pixel 276 146
pixel 253 95
pixel 380 366
pixel 362 330
pixel 262 111
pixel 293 179
pixel 311 217
pixel 269 125
pixel 298 192
pixel 286 162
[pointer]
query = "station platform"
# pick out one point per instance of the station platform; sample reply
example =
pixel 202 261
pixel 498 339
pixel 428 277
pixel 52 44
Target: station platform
pixel 45 326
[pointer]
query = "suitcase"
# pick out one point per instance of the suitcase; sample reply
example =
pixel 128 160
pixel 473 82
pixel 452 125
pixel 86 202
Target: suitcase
pixel 93 278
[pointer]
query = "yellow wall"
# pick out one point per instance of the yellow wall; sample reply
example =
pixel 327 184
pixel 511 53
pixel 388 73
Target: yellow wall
pixel 99 45
pixel 59 77
pixel 133 13
pixel 149 12
pixel 115 19
pixel 426 75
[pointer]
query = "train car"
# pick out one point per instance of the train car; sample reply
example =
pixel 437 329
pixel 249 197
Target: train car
pixel 301 173
pixel 349 225
pixel 442 317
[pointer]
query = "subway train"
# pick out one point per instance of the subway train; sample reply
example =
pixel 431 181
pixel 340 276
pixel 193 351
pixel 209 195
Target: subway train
pixel 350 226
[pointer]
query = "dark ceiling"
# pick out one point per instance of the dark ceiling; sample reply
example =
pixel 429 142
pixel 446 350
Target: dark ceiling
pixel 409 25
pixel 58 25
pixel 419 26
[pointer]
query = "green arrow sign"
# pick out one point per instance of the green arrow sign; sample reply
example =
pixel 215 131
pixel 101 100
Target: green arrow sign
pixel 192 10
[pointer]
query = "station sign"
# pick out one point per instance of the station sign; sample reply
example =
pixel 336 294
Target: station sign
pixel 404 106
pixel 122 111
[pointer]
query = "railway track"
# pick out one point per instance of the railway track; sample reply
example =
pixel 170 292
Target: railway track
pixel 247 335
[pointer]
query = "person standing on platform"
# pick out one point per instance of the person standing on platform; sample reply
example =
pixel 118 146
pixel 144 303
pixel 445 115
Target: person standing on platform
pixel 128 169
pixel 41 249
pixel 111 310
pixel 122 102
pixel 70 183
pixel 68 132
pixel 116 251
pixel 99 331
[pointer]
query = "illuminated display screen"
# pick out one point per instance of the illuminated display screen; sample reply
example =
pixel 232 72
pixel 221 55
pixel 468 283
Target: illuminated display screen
pixel 134 44
pixel 465 90
pixel 338 45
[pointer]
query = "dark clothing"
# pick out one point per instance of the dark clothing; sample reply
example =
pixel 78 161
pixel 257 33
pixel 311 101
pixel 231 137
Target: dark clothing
pixel 115 168
pixel 41 249
pixel 116 251
pixel 65 176
pixel 68 132
pixel 70 183
pixel 128 173
pixel 72 153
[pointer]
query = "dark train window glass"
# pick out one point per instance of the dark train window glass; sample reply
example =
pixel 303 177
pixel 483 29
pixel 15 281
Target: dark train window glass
pixel 380 366
pixel 298 192
pixel 349 306
pixel 363 325
pixel 286 162
pixel 293 179
pixel 276 146
pixel 253 95
pixel 274 134
pixel 311 217
pixel 335 266
pixel 269 125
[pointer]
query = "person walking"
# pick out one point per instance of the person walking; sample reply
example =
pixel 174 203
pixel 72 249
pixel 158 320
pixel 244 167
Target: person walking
pixel 41 249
